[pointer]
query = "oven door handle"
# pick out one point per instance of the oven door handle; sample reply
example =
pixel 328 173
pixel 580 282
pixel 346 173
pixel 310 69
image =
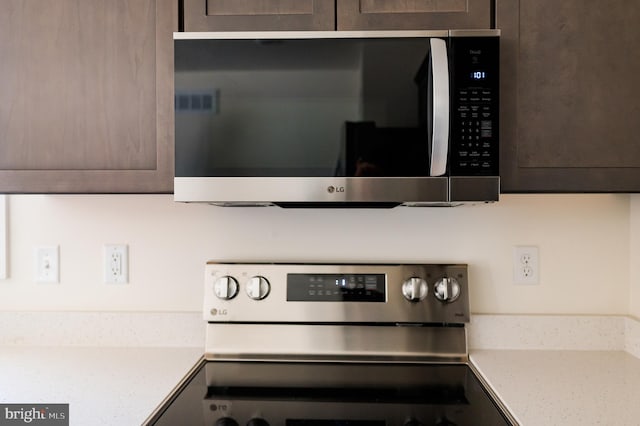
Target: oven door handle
pixel 439 74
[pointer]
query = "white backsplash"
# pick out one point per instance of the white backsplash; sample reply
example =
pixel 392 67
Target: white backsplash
pixel 552 332
pixel 115 329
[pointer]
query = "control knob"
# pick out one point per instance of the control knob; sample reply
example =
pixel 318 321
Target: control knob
pixel 225 287
pixel 415 289
pixel 447 289
pixel 256 421
pixel 258 287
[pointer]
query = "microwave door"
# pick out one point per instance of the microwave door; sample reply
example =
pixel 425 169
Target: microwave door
pixel 439 102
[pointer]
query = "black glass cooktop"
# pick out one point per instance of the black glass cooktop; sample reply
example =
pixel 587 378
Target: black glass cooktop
pixel 221 393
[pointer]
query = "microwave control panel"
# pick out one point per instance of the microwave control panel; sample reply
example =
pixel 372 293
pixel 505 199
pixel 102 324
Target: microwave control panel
pixel 474 106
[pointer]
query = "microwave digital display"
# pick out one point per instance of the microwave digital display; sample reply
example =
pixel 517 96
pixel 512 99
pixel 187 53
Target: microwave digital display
pixel 478 75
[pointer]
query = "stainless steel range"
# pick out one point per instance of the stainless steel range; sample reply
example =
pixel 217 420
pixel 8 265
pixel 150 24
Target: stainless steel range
pixel 321 344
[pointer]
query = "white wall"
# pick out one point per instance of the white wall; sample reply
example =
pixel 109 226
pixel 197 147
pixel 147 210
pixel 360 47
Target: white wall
pixel 583 240
pixel 634 258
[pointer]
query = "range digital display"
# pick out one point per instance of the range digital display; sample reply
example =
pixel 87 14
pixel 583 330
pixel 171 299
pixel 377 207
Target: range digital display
pixel 336 287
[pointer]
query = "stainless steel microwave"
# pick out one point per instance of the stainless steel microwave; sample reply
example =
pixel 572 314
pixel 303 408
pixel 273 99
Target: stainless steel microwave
pixel 334 118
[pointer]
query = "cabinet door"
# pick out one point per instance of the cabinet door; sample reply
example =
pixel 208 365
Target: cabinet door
pixel 413 14
pixel 259 15
pixel 86 95
pixel 570 98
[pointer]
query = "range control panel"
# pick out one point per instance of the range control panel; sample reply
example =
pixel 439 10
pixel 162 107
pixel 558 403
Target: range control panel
pixel 475 111
pixel 339 293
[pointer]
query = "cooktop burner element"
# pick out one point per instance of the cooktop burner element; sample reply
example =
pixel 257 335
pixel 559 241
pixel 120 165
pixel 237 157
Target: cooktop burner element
pixel 320 344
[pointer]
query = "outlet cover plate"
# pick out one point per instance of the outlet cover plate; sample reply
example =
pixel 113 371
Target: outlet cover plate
pixel 526 265
pixel 116 264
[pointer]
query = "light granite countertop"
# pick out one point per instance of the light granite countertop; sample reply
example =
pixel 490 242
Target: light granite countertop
pixel 564 387
pixel 559 369
pixel 103 386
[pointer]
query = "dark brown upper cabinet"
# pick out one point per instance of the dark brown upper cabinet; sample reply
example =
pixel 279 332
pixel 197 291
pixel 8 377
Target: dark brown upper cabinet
pixel 310 15
pixel 570 96
pixel 86 96
pixel 259 15
pixel 413 14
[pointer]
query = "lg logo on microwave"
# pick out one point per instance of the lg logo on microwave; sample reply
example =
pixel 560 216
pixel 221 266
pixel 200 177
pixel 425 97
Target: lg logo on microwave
pixel 333 189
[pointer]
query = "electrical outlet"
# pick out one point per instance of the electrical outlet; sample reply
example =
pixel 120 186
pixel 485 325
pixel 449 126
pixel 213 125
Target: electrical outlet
pixel 47 264
pixel 526 265
pixel 116 264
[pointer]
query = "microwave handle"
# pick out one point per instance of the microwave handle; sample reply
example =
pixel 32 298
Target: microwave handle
pixel 440 83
